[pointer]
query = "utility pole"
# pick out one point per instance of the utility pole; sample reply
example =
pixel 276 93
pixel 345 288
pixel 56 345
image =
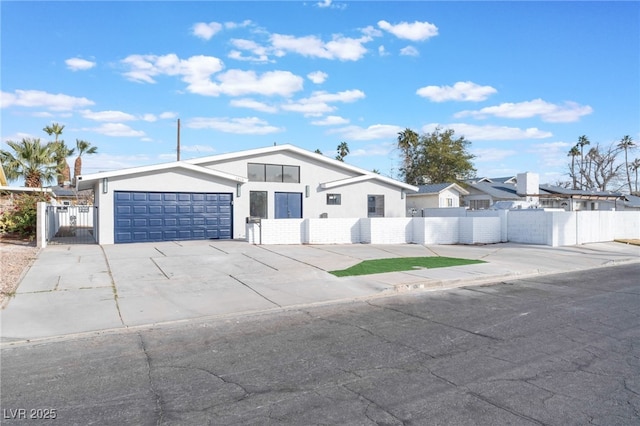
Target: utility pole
pixel 178 150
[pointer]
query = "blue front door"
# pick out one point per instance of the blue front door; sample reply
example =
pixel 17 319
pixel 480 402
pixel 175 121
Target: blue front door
pixel 288 205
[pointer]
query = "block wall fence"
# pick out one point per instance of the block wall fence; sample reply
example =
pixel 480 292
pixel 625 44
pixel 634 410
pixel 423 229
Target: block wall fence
pixel 543 227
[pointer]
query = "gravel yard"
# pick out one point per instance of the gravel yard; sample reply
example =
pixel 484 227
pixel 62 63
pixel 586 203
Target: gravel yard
pixel 15 256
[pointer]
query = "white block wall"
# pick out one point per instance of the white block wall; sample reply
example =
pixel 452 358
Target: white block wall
pixel 283 231
pixel 390 230
pixel 479 230
pixel 333 231
pixel 554 228
pixel 626 225
pixel 563 228
pixel 528 226
pixel 435 230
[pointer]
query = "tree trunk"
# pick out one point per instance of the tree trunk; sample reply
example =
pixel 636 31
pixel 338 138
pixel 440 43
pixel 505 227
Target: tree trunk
pixel 77 168
pixel 32 180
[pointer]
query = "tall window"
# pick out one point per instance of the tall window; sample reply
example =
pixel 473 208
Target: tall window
pixel 258 204
pixel 375 205
pixel 258 172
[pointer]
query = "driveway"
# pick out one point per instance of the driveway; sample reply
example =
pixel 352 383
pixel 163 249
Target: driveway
pixel 85 288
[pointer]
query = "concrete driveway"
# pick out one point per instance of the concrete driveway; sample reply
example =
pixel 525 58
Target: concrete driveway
pixel 85 288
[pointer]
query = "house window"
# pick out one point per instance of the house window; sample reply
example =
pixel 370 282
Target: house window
pixel 334 199
pixel 478 204
pixel 375 205
pixel 449 202
pixel 258 204
pixel 258 172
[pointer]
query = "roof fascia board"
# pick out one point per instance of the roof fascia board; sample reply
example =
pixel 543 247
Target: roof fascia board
pixel 159 167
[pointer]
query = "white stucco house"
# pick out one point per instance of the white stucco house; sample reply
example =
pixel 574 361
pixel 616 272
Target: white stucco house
pixel 437 195
pixel 213 197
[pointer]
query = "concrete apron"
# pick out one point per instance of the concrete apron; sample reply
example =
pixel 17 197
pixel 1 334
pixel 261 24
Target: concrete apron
pixel 85 288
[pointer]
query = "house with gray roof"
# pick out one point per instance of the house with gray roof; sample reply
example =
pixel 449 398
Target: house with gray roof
pixel 437 195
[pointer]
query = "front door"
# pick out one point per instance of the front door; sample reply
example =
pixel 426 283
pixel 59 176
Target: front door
pixel 288 205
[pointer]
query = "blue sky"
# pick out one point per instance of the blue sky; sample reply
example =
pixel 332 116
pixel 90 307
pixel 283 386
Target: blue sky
pixel 520 80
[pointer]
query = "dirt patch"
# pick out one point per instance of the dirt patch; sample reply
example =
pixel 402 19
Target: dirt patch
pixel 633 241
pixel 15 256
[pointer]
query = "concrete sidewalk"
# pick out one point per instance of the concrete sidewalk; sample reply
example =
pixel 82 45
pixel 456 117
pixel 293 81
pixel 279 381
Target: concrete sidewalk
pixel 74 289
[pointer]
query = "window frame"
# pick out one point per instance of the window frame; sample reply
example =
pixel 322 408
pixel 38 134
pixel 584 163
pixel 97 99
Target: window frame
pixel 334 199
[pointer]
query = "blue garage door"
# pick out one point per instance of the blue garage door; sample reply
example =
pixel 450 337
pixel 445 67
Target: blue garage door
pixel 169 216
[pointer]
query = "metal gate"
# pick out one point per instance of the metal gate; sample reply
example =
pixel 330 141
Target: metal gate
pixel 71 224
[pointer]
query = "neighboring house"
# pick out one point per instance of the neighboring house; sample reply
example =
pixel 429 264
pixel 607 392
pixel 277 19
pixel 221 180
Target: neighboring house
pixel 213 197
pixel 70 196
pixel 434 196
pixel 524 191
pixel 631 202
pixel 484 192
pixel 574 200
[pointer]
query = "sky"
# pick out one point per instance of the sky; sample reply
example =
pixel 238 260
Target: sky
pixel 521 81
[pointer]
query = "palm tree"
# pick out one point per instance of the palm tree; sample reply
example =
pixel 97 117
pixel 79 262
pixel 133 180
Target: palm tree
pixel 343 150
pixel 582 142
pixel 30 160
pixel 635 166
pixel 408 140
pixel 61 153
pixel 625 143
pixel 573 153
pixel 83 147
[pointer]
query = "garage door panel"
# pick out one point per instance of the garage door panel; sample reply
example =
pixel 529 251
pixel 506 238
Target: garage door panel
pixel 157 216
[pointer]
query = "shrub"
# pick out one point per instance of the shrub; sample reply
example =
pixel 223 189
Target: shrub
pixel 21 219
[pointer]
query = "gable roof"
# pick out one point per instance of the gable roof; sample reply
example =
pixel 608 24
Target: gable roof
pixel 436 188
pixel 86 181
pixel 307 154
pixel 196 164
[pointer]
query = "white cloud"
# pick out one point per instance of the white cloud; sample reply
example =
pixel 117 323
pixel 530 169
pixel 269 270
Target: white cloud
pixel 461 91
pixel 331 120
pixel 318 77
pixel 102 162
pixel 197 70
pixel 382 149
pixel 342 48
pixel 324 4
pixel 318 103
pixel 206 31
pixel 475 133
pixel 416 31
pixel 553 154
pixel 259 53
pixel 382 51
pixel 168 115
pixel 409 51
pixel 78 64
pixel 253 104
pixel 116 130
pixel 491 154
pixel 111 116
pixel 246 126
pixel 271 83
pixel 376 131
pixel 552 113
pixel 38 98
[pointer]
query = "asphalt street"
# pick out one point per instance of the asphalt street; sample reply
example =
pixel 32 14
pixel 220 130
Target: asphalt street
pixel 548 350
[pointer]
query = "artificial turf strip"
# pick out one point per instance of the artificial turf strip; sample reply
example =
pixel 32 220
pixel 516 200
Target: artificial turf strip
pixel 378 266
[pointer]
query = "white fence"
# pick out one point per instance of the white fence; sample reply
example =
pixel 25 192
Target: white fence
pixel 552 228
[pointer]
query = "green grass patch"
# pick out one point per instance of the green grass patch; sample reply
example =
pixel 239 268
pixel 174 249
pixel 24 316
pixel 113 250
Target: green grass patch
pixel 379 266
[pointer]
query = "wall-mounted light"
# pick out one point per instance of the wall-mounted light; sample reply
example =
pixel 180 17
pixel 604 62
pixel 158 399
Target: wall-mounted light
pixel 105 185
pixel 402 194
pixel 238 190
pixel 307 191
